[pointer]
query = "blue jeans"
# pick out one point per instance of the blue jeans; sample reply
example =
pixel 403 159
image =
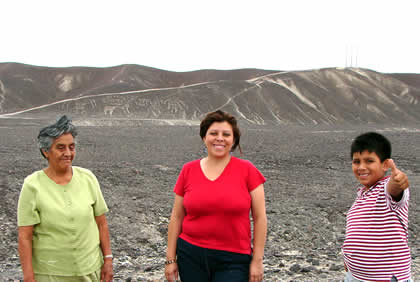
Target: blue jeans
pixel 201 264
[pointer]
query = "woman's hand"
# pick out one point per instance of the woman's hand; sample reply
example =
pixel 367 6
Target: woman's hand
pixel 107 273
pixel 256 270
pixel 171 272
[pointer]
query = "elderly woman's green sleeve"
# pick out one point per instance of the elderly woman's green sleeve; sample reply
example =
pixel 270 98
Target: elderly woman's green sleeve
pixel 99 207
pixel 27 213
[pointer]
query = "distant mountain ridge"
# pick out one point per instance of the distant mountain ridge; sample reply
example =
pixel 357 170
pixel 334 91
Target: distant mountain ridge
pixel 324 96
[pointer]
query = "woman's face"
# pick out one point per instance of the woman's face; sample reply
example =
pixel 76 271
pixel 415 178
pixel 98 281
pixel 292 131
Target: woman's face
pixel 219 139
pixel 62 152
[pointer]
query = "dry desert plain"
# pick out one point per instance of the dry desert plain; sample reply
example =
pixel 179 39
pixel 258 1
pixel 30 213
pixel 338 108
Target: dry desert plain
pixel 309 189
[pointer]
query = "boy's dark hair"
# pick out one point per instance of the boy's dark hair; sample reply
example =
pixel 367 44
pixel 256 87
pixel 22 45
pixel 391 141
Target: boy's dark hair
pixel 372 142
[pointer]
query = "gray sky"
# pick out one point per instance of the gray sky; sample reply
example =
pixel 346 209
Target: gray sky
pixel 181 35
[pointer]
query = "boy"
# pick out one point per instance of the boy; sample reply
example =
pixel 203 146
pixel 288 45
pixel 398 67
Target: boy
pixel 375 247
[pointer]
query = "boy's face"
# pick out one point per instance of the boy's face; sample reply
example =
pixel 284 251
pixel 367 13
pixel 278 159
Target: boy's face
pixel 368 168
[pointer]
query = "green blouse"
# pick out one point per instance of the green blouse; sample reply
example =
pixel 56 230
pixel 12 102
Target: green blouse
pixel 66 236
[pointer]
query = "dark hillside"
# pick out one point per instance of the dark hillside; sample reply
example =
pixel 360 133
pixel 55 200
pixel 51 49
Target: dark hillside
pixel 324 96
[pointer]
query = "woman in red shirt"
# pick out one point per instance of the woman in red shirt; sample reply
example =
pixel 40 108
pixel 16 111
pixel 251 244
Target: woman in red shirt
pixel 209 237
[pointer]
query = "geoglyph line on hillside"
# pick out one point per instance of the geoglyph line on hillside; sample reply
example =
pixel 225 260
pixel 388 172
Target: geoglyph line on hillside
pixel 139 91
pixel 266 75
pixel 234 96
pixel 146 91
pixel 100 95
pixel 293 89
pixel 275 73
pixel 230 100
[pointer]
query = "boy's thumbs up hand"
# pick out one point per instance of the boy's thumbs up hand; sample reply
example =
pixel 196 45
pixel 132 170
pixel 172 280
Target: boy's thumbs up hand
pixel 399 180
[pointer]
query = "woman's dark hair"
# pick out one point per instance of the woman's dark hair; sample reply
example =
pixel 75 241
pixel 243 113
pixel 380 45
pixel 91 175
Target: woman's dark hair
pixel 373 143
pixel 48 134
pixel 221 116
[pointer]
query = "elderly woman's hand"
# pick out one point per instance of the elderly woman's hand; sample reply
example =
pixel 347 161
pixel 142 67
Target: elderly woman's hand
pixel 107 273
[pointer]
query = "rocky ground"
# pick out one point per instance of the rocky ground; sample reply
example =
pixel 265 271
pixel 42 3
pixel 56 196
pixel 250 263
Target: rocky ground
pixel 309 189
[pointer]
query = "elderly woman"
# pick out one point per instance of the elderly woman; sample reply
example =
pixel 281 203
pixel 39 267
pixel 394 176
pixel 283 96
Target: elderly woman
pixel 63 232
pixel 209 236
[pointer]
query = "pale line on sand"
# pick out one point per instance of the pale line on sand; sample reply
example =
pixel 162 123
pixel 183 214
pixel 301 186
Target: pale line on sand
pixel 100 95
pixel 276 73
pixel 295 91
pixel 234 96
pixel 230 100
pixel 91 122
pixel 267 75
pixel 144 91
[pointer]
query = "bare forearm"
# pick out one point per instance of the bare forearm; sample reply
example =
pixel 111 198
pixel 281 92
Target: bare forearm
pixel 105 239
pixel 25 254
pixel 174 229
pixel 107 272
pixel 260 223
pixel 260 234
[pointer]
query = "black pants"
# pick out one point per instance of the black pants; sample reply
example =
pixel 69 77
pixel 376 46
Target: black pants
pixel 201 264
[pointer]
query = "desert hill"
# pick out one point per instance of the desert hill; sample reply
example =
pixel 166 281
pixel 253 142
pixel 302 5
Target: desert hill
pixel 324 96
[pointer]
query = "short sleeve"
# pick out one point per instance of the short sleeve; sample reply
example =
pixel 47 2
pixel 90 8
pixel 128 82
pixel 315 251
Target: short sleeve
pixel 27 213
pixel 99 207
pixel 179 187
pixel 255 177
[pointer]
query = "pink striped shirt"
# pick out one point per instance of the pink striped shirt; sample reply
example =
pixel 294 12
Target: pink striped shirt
pixel 376 244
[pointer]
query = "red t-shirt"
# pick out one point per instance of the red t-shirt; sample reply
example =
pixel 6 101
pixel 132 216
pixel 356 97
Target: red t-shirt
pixel 217 212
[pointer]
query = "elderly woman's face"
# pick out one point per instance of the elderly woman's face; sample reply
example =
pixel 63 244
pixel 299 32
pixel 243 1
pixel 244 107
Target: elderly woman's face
pixel 62 152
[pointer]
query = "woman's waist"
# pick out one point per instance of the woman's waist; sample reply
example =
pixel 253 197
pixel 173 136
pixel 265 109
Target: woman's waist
pixel 66 261
pixel 242 246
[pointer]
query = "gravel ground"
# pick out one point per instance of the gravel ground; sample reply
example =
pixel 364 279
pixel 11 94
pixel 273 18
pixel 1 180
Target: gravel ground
pixel 309 189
